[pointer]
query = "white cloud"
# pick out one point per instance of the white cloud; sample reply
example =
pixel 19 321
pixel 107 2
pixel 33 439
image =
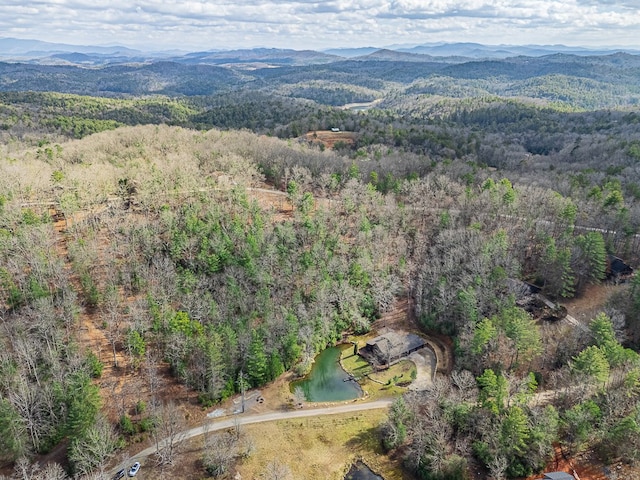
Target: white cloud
pixel 203 24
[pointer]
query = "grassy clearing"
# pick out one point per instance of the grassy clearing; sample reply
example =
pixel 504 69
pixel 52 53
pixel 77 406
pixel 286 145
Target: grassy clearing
pixel 320 448
pixel 381 384
pixel 401 373
pixel 355 364
pixel 313 448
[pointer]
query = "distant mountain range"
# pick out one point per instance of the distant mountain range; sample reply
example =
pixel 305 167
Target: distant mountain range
pixel 44 53
pixel 479 51
pixel 35 48
pixel 261 55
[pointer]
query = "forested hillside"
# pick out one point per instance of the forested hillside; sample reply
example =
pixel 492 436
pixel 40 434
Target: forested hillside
pixel 144 220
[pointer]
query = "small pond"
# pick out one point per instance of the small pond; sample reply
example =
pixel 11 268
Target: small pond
pixel 360 471
pixel 327 381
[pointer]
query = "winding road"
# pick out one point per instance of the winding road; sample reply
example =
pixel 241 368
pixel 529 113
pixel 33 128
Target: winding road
pixel 212 425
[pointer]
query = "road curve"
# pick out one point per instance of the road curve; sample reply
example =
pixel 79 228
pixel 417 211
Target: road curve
pixel 212 426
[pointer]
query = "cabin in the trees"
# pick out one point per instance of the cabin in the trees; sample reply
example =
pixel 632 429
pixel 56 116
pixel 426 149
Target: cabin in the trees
pixel 558 476
pixel 391 347
pixel 530 298
pixel 617 270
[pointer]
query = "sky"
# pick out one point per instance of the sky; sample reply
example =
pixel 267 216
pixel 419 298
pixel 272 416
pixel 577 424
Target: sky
pixel 309 24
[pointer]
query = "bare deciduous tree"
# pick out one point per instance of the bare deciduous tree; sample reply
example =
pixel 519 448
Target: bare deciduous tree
pixel 277 471
pixel 112 316
pixel 90 451
pixel 169 432
pixel 25 470
pixel 498 468
pixel 220 451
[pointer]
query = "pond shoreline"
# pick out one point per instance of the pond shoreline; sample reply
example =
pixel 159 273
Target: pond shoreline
pixel 328 380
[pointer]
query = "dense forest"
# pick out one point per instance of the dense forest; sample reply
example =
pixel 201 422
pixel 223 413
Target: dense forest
pixel 142 212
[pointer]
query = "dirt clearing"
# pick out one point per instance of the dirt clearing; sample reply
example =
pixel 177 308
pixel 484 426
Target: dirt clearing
pixel 592 301
pixel 329 139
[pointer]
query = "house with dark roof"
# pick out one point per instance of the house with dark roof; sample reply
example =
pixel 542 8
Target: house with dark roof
pixel 617 270
pixel 391 347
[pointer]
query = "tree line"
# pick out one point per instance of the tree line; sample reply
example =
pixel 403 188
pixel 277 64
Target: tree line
pixel 194 270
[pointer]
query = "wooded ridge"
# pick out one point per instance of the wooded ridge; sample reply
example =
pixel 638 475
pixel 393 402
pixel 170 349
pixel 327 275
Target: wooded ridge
pixel 144 223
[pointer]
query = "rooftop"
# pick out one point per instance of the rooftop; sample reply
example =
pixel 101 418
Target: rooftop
pixel 558 476
pixel 394 345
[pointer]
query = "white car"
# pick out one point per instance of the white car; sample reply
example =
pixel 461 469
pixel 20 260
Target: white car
pixel 134 469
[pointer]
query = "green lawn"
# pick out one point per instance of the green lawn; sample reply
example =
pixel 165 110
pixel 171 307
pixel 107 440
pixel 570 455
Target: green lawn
pixel 377 384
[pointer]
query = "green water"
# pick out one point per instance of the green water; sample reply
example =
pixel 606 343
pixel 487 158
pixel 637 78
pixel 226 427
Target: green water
pixel 325 382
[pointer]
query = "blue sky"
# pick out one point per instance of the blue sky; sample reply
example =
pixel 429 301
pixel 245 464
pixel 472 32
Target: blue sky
pixel 302 24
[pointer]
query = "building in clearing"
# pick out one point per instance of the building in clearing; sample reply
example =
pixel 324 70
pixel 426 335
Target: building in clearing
pixel 391 347
pixel 558 476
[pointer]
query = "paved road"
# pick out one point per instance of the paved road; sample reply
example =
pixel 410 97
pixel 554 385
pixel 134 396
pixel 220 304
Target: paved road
pixel 213 425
